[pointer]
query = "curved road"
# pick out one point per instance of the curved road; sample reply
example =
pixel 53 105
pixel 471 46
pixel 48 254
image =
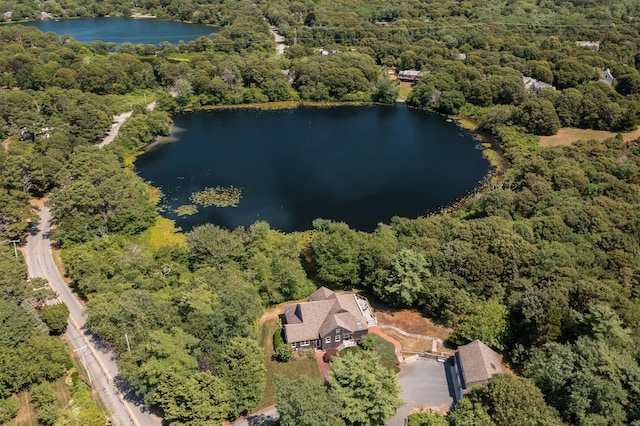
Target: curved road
pixel 118 120
pixel 114 129
pixel 99 361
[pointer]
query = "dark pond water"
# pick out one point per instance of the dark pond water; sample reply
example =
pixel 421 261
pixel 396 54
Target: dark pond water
pixel 360 165
pixel 120 30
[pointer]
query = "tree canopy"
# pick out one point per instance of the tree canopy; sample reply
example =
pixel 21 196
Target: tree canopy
pixel 367 393
pixel 542 264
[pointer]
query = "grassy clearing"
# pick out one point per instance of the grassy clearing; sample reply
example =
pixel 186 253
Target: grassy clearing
pixel 179 58
pixel 27 412
pixel 62 391
pixel 567 136
pixel 293 369
pixel 405 89
pixel 27 415
pixel 124 103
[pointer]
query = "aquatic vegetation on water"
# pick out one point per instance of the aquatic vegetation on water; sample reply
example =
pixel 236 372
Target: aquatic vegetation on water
pixel 186 210
pixel 218 196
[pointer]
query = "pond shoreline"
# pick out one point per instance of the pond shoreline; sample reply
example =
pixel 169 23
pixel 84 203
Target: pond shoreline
pixel 386 133
pixel 492 152
pixel 73 18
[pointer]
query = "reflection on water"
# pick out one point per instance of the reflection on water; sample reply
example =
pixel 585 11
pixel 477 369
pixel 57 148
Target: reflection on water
pixel 121 30
pixel 361 165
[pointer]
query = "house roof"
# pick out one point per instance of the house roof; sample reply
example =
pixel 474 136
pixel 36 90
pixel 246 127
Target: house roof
pixel 608 77
pixel 590 44
pixel 322 293
pixel 324 312
pixel 535 85
pixel 410 73
pixel 478 362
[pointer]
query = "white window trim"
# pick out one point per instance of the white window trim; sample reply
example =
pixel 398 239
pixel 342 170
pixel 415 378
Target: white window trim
pixel 337 337
pixel 305 343
pixel 337 331
pixel 327 339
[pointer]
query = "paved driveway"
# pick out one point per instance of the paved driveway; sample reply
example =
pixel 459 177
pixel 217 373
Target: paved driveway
pixel 425 383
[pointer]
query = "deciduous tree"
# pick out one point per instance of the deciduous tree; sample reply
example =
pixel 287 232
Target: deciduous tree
pixel 368 393
pixel 510 400
pixel 241 366
pixel 336 250
pixel 306 402
pixel 489 323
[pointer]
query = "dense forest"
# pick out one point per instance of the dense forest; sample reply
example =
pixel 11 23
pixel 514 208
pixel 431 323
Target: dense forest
pixel 543 264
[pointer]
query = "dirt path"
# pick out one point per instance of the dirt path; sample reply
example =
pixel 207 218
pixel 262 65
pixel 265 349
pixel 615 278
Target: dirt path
pixel 270 314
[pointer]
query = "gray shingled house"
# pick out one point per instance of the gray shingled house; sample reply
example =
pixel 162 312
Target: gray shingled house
pixel 327 320
pixel 474 364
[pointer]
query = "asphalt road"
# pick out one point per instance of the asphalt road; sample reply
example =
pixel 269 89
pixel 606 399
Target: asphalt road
pixel 98 360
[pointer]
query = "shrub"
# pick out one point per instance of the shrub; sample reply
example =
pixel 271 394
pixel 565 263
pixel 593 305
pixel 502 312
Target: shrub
pixel 368 343
pixel 43 397
pixel 307 353
pixel 284 353
pixel 278 339
pixel 55 316
pixel 8 410
pixel 42 393
pixel 329 354
pixel 427 419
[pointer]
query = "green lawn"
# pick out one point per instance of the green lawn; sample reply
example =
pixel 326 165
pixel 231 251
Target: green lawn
pixel 291 369
pixel 385 349
pixel 404 92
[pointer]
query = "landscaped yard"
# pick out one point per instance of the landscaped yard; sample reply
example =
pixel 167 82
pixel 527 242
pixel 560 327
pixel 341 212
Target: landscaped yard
pixel 385 349
pixel 405 89
pixel 291 369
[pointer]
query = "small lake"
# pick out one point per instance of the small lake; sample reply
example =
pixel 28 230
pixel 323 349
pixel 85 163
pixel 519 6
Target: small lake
pixel 121 30
pixel 360 165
